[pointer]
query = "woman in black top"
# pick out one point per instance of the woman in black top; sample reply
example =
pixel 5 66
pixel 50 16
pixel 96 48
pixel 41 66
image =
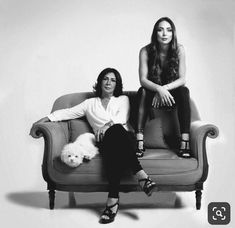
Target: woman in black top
pixel 162 77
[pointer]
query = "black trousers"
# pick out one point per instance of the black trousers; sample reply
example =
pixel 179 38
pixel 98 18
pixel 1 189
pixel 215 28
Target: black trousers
pixel 118 149
pixel 182 101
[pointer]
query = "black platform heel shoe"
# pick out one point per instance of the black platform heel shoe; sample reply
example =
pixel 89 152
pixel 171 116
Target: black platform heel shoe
pixel 185 152
pixel 148 186
pixel 109 213
pixel 140 151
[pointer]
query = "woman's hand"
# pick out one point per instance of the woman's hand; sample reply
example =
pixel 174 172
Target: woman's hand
pixel 100 133
pixel 162 98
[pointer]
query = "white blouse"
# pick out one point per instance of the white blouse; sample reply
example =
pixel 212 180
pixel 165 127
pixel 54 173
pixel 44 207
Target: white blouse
pixel 117 111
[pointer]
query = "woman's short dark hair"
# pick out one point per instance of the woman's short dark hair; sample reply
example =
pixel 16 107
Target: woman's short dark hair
pixel 118 89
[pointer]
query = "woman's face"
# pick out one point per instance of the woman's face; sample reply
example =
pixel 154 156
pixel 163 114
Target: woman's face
pixel 108 84
pixel 164 33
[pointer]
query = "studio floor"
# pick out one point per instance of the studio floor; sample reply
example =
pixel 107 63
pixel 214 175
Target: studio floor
pixel 24 208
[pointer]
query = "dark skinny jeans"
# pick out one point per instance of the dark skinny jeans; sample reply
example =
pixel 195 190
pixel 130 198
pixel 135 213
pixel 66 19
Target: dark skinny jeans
pixel 182 101
pixel 118 149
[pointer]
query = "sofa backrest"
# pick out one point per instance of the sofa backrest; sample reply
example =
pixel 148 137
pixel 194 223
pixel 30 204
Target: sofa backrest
pixel 161 129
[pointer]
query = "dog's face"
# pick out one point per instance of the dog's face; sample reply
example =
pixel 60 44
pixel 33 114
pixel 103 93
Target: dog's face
pixel 71 159
pixel 74 153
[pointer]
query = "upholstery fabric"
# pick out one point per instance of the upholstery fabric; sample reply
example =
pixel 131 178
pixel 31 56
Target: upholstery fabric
pixel 78 127
pixel 163 162
pixel 170 172
pixel 162 129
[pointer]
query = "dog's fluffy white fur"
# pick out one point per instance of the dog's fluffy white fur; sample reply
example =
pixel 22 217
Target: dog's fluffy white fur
pixel 82 148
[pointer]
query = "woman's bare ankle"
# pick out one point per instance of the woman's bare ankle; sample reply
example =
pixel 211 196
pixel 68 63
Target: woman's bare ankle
pixel 141 174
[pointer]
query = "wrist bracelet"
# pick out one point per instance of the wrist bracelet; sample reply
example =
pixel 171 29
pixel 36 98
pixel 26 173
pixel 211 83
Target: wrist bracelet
pixel 109 124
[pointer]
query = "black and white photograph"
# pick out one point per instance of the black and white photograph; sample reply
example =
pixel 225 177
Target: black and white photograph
pixel 117 113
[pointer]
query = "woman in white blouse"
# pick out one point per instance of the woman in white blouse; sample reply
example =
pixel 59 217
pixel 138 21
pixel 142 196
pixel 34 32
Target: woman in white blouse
pixel 108 114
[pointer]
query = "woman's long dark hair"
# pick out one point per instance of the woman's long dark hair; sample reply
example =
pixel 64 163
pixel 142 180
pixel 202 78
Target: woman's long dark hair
pixel 171 70
pixel 118 89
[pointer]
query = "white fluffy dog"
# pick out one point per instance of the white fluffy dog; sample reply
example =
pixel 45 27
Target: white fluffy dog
pixel 82 148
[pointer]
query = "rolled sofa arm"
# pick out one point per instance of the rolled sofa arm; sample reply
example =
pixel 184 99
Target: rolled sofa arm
pixel 40 129
pixel 56 135
pixel 199 131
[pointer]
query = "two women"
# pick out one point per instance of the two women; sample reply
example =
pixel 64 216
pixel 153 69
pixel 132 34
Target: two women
pixel 108 114
pixel 162 77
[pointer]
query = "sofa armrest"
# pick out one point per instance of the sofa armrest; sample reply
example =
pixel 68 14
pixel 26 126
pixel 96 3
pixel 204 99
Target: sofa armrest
pixel 40 129
pixel 56 135
pixel 199 132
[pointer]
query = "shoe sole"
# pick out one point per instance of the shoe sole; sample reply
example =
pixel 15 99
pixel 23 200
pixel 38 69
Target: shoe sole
pixel 104 221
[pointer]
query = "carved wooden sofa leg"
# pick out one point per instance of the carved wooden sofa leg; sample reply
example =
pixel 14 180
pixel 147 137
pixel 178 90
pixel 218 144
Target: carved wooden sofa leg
pixel 51 198
pixel 72 200
pixel 199 187
pixel 198 199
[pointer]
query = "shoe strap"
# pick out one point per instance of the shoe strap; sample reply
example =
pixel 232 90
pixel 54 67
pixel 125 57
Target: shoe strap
pixel 138 145
pixel 111 206
pixel 139 153
pixel 139 140
pixel 147 181
pixel 184 140
pixel 186 143
pixel 108 211
pixel 144 179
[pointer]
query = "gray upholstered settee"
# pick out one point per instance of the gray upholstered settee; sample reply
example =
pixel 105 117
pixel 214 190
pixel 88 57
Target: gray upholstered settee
pixel 170 172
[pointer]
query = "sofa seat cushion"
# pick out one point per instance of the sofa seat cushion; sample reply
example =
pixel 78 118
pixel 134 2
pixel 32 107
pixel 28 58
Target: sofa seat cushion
pixel 163 161
pixel 160 163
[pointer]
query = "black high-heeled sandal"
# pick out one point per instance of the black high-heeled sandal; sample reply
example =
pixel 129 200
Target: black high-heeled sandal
pixel 148 186
pixel 185 152
pixel 109 213
pixel 140 152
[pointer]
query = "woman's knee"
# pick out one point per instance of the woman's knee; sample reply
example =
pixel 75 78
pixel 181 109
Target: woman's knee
pixel 115 130
pixel 184 90
pixel 181 92
pixel 141 94
pixel 141 90
pixel 117 127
